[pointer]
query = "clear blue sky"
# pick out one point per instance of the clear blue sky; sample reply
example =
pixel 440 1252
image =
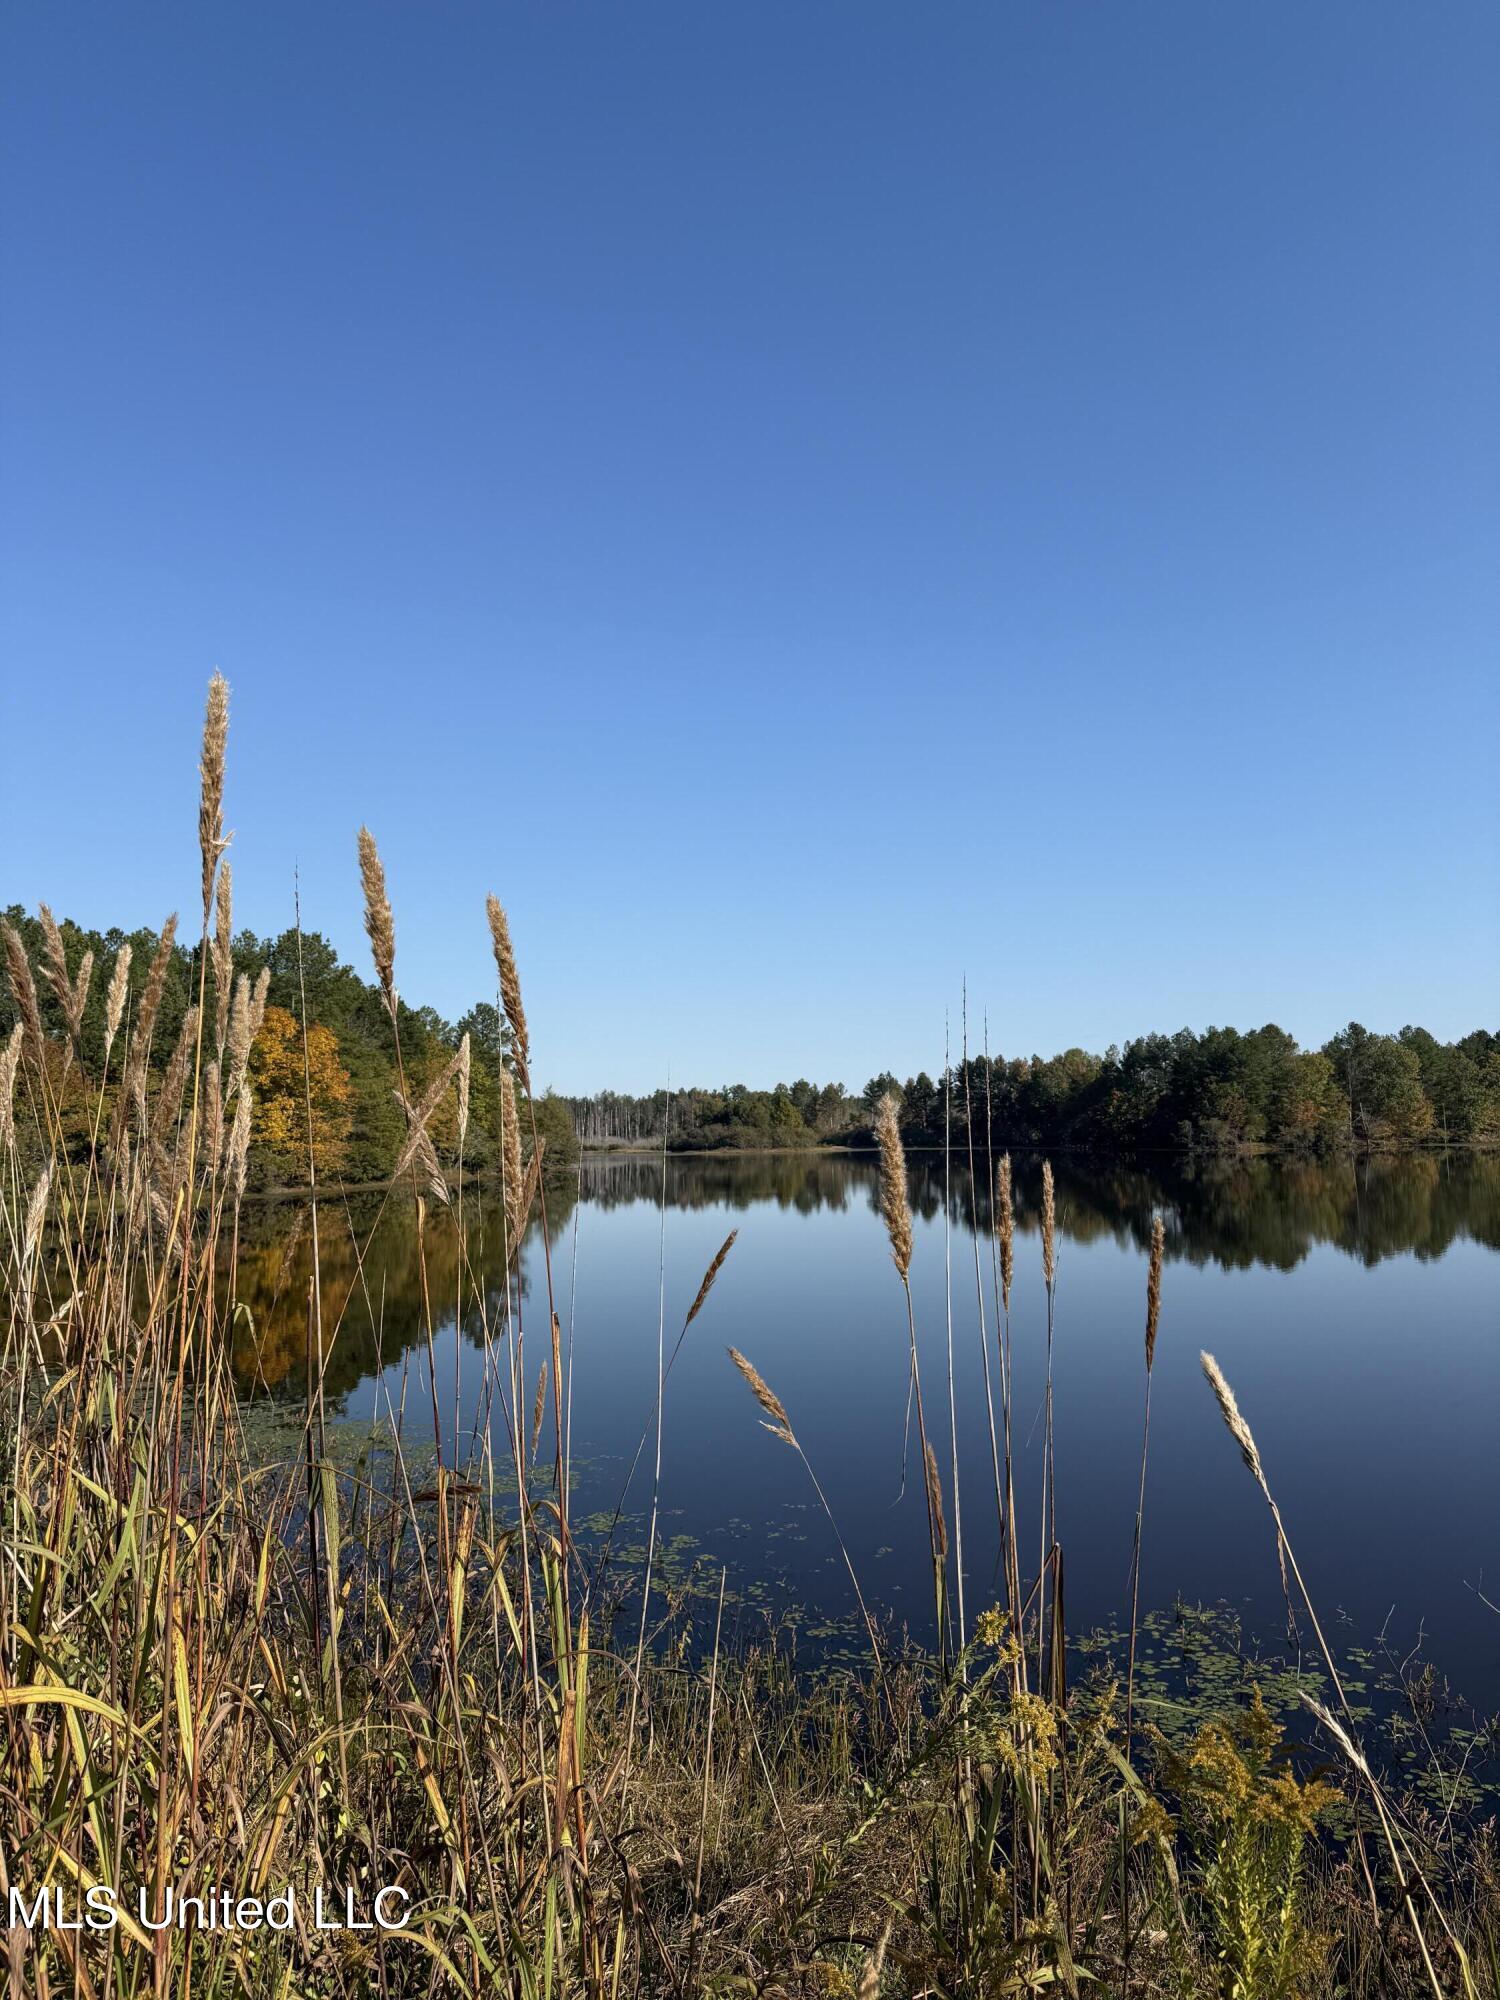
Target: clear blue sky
pixel 805 501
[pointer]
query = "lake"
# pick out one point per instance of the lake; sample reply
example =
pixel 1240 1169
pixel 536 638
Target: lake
pixel 1352 1305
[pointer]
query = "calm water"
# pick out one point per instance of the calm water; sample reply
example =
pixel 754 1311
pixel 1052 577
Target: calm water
pixel 1354 1309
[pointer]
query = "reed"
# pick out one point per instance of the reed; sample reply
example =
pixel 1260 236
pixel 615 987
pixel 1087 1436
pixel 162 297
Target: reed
pixel 380 925
pixel 510 987
pixel 895 1209
pixel 211 840
pixel 1153 1321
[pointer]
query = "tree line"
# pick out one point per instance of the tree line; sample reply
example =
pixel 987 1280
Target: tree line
pixel 348 1066
pixel 1219 1090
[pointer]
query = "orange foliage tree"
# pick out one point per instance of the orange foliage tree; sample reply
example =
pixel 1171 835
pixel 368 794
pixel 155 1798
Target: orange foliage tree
pixel 281 1088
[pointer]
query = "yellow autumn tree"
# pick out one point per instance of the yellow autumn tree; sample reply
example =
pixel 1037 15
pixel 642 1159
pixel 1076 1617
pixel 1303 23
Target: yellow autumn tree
pixel 281 1089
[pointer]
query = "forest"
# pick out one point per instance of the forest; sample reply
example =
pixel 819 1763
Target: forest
pixel 350 1071
pixel 1217 1091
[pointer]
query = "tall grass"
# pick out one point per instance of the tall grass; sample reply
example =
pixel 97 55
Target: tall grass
pixel 221 1677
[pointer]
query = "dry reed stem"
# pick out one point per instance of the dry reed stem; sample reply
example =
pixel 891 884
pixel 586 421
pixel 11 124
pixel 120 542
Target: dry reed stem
pixel 780 1425
pixel 380 926
pixel 211 841
pixel 1153 1288
pixel 1049 1224
pixel 510 987
pixel 895 1207
pixel 708 1279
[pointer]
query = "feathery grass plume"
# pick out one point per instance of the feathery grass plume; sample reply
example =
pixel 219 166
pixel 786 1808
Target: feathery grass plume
pixel 780 1425
pixel 151 992
pixel 223 954
pixel 211 841
pixel 238 1156
pixel 239 1038
pixel 23 986
pixel 512 1173
pixel 1239 1430
pixel 1049 1224
pixel 10 1057
pixel 70 997
pixel 36 1210
pixel 428 1170
pixel 114 999
pixel 708 1278
pixel 212 1143
pixel 510 988
pixel 58 976
pixel 174 1077
pixel 83 979
pixel 935 1502
pixel 258 998
pixel 463 1092
pixel 379 924
pixel 895 1209
pixel 1005 1213
pixel 1153 1288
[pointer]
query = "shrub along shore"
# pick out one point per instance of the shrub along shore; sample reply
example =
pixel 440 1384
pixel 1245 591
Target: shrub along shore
pixel 218 1674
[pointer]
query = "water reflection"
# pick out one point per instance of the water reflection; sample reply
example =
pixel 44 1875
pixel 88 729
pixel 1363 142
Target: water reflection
pixel 1352 1305
pixel 1232 1215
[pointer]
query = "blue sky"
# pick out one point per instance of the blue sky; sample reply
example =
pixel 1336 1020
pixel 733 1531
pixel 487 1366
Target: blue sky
pixel 807 502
